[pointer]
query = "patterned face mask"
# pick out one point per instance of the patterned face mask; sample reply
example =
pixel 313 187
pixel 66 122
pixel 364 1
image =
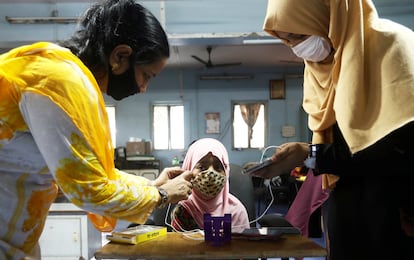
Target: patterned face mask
pixel 209 183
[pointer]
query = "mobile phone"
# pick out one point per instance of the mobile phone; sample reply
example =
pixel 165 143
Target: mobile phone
pixel 258 234
pixel 258 166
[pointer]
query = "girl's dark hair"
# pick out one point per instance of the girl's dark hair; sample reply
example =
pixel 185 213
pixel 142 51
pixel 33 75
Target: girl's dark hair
pixel 112 22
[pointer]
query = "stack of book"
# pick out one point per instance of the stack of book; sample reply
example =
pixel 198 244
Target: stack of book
pixel 137 234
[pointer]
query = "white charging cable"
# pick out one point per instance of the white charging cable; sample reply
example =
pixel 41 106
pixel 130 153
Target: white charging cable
pixel 195 233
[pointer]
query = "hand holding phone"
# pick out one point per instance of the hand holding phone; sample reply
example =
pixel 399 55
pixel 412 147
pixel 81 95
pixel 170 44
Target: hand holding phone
pixel 257 167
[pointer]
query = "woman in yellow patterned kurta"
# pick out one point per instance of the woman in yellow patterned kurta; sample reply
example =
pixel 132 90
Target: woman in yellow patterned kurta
pixel 54 130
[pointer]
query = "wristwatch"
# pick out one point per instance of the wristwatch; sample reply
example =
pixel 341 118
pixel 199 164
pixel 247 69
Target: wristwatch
pixel 164 197
pixel 310 162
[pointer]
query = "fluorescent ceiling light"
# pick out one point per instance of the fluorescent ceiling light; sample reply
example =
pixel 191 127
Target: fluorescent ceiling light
pixel 225 77
pixel 261 41
pixel 42 20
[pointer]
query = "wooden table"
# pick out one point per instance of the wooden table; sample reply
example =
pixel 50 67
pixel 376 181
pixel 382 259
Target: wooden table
pixel 176 246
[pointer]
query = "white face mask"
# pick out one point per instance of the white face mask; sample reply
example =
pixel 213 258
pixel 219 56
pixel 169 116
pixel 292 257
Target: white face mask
pixel 314 48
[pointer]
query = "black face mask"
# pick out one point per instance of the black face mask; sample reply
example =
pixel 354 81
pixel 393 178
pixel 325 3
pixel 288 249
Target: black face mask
pixel 123 85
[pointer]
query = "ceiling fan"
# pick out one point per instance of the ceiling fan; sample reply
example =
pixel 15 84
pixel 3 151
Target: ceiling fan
pixel 209 64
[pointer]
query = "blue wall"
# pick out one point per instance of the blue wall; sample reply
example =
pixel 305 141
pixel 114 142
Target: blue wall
pixel 202 96
pixel 181 17
pixel 199 97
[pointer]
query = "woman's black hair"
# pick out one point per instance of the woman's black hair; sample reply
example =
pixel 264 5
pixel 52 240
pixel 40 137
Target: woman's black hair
pixel 112 22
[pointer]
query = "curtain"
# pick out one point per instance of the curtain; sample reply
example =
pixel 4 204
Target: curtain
pixel 249 112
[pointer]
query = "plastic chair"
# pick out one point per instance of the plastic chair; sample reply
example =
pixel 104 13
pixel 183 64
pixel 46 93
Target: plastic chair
pixel 241 186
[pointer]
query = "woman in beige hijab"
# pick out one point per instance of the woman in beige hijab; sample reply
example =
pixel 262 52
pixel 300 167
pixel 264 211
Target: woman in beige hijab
pixel 359 95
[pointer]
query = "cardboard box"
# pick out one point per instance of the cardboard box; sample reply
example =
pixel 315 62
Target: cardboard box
pixel 138 148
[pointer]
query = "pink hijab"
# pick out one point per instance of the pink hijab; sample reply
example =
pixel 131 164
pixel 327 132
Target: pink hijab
pixel 224 202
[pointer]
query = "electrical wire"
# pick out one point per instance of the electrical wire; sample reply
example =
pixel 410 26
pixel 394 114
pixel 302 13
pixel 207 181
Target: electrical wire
pixel 190 233
pixel 193 234
pixel 270 186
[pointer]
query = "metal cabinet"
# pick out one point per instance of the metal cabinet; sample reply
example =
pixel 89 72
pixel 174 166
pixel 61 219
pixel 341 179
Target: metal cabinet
pixel 68 234
pixel 146 168
pixel 151 174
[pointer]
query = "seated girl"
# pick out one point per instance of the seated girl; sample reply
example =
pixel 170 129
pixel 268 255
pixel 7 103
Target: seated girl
pixel 207 158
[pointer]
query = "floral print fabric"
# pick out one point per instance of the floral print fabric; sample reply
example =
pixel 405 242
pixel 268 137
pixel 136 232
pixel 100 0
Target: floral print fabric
pixel 54 132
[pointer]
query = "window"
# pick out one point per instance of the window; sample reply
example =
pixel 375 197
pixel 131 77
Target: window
pixel 110 110
pixel 249 125
pixel 168 127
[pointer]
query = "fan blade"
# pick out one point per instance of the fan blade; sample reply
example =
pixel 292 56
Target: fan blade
pixel 227 64
pixel 209 64
pixel 200 60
